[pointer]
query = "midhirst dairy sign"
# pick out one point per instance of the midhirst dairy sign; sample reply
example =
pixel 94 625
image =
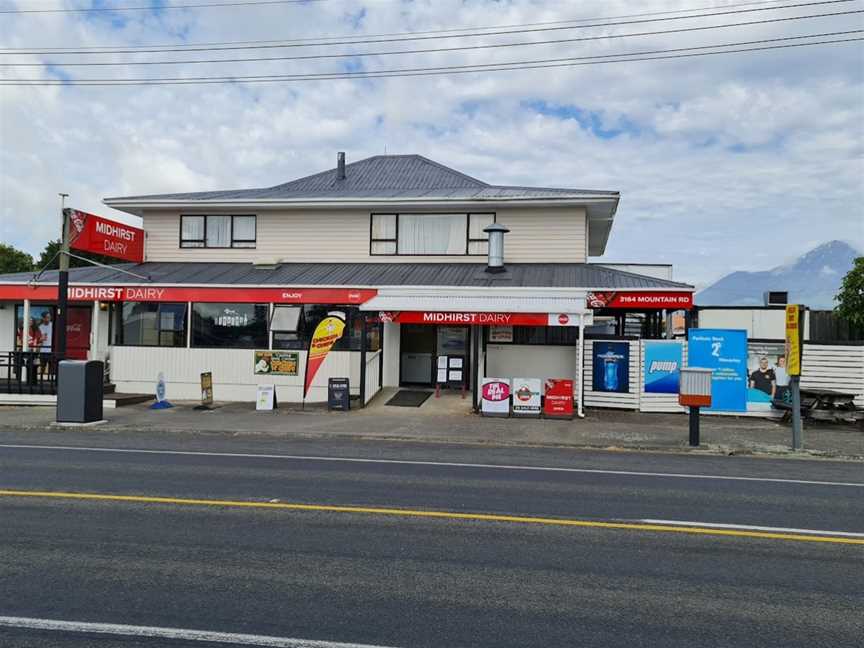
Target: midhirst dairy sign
pixel 98 235
pixel 482 319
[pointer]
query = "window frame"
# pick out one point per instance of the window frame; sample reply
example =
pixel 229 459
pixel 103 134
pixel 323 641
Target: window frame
pixel 395 241
pixel 233 243
pixel 120 329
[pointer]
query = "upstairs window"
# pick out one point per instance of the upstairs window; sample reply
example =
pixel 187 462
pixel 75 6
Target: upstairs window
pixel 217 231
pixel 430 234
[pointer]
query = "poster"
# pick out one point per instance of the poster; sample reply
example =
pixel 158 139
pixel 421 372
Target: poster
pixel 725 352
pixel 611 367
pixel 276 363
pixel 326 334
pixel 265 397
pixel 500 334
pixel 558 398
pixel 495 397
pixel 793 339
pixel 662 366
pixel 526 397
pixel 767 376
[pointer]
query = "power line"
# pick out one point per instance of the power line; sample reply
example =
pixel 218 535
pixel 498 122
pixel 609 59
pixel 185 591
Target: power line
pixel 436 71
pixel 432 50
pixel 404 33
pixel 155 8
pixel 435 37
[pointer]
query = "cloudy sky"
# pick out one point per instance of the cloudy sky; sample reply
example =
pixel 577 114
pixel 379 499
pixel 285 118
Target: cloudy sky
pixel 724 162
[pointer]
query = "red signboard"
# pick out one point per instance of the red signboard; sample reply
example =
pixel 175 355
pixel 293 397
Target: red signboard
pixel 481 319
pixel 637 300
pixel 558 398
pixel 98 235
pixel 107 293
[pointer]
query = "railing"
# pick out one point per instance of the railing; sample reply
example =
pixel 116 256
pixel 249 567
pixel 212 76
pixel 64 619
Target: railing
pixel 28 372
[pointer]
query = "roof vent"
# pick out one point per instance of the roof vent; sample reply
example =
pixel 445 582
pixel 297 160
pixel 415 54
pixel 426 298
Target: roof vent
pixel 496 232
pixel 340 165
pixel 266 263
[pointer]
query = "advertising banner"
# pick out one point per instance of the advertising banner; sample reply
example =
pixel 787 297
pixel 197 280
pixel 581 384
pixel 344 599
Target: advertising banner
pixel 481 319
pixel 98 235
pixel 276 363
pixel 725 352
pixel 793 340
pixel 558 398
pixel 662 366
pixel 641 300
pixel 611 367
pixel 328 331
pixel 206 388
pixel 526 397
pixel 495 397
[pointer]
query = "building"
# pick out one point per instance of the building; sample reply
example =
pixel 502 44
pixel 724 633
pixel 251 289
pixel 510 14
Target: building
pixel 397 244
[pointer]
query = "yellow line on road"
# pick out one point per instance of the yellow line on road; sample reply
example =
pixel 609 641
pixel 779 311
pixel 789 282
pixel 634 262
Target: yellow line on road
pixel 447 515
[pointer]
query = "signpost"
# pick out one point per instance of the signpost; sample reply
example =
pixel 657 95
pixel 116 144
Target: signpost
pixel 91 233
pixel 265 398
pixel 793 368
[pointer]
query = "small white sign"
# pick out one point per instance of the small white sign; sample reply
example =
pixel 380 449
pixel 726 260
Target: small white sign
pixel 442 362
pixel 265 398
pixel 160 387
pixel 526 397
pixel 500 333
pixel 442 376
pixel 455 376
pixel 456 362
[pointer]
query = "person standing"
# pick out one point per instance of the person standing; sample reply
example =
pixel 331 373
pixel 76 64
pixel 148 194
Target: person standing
pixel 763 378
pixel 46 329
pixel 781 377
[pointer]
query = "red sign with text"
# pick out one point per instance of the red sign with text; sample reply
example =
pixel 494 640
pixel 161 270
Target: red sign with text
pixel 481 319
pixel 558 398
pixel 98 235
pixel 194 294
pixel 640 300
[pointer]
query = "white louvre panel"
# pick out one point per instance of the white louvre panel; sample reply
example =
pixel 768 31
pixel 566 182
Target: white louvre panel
pixel 475 303
pixel 837 367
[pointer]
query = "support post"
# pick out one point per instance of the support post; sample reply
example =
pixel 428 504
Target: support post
pixel 581 367
pixel 93 353
pixel 364 332
pixel 694 427
pixel 63 282
pixel 476 337
pixel 795 386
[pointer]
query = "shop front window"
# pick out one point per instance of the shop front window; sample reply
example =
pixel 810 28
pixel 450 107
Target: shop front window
pixel 312 314
pixel 544 335
pixel 152 324
pixel 236 326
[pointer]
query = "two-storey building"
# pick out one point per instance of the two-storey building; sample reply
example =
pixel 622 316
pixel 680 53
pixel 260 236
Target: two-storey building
pixel 398 244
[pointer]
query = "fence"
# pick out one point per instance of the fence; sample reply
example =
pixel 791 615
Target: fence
pixel 28 372
pixel 837 367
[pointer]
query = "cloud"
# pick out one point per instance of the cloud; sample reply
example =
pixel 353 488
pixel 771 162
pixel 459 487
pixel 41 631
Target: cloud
pixel 726 162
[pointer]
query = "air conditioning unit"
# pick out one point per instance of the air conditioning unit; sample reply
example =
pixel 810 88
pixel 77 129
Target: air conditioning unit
pixel 776 298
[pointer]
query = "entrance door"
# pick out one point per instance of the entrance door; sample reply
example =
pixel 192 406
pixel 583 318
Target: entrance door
pixel 417 351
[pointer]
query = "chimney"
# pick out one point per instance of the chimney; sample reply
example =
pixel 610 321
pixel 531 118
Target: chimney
pixel 496 232
pixel 340 165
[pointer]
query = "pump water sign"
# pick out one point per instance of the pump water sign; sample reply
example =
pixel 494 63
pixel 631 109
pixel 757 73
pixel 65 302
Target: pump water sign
pixel 725 352
pixel 611 367
pixel 662 367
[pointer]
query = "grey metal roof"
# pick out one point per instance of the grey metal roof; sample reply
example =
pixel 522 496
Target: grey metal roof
pixel 359 275
pixel 381 176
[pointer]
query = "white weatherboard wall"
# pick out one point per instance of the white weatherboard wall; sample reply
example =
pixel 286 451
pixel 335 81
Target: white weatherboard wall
pixel 532 361
pixel 233 378
pixel 836 367
pixel 390 344
pixel 629 400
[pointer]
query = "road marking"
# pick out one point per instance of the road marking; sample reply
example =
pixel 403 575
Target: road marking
pixel 751 527
pixel 445 464
pixel 448 515
pixel 172 633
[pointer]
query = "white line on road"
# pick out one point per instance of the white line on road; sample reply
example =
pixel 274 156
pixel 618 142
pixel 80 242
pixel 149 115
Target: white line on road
pixel 172 633
pixel 749 527
pixel 445 464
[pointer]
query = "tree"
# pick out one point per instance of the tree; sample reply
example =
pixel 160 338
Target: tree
pixel 51 259
pixel 850 299
pixel 12 260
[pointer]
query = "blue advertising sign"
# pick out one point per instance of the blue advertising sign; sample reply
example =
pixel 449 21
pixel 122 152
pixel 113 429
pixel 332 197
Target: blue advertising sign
pixel 724 351
pixel 611 367
pixel 662 367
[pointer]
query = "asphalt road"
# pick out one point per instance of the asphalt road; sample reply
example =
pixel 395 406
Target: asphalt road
pixel 388 579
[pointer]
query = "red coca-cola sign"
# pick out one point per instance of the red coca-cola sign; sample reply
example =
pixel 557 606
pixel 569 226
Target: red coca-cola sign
pixel 563 318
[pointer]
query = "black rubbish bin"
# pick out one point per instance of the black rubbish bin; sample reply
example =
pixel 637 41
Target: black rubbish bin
pixel 79 391
pixel 338 394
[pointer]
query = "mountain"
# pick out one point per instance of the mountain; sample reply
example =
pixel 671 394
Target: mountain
pixel 812 279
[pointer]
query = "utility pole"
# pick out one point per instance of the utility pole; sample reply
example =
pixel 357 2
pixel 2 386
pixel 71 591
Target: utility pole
pixel 63 281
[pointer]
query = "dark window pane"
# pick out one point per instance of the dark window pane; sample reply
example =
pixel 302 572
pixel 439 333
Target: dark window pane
pixel 239 326
pixel 152 324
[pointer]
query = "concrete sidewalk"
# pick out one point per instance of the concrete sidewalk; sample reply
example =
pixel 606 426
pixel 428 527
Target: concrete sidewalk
pixel 452 422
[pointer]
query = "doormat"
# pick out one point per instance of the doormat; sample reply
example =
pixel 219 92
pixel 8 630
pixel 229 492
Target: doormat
pixel 409 398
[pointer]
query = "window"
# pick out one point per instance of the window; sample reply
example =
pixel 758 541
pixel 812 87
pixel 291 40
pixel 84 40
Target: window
pixel 312 314
pixel 429 234
pixel 237 326
pixel 217 231
pixel 285 319
pixel 152 324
